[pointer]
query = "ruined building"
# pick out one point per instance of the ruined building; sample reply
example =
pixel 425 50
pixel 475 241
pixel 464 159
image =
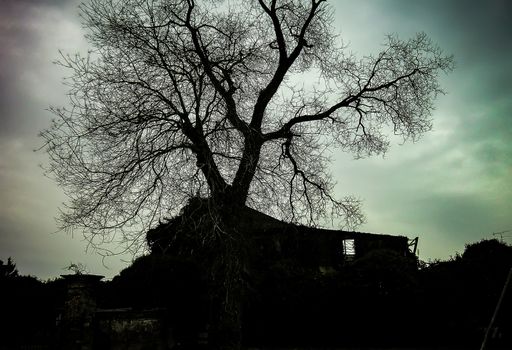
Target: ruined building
pixel 270 238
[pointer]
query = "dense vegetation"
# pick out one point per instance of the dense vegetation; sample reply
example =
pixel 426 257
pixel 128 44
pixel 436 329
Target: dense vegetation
pixel 380 299
pixel 28 307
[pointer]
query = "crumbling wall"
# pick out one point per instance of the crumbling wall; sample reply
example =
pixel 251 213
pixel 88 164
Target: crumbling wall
pixel 77 318
pixel 83 326
pixel 132 330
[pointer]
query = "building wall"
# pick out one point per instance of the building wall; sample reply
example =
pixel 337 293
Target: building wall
pixel 132 330
pixel 85 327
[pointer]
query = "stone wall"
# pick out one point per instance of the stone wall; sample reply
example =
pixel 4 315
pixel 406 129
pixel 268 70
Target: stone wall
pixel 127 329
pixel 83 326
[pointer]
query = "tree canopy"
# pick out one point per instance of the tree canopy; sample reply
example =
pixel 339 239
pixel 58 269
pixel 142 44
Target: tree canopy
pixel 237 101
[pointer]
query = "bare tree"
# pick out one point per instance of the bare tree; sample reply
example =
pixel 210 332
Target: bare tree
pixel 237 101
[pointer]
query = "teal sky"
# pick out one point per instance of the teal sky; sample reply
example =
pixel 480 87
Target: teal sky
pixel 452 187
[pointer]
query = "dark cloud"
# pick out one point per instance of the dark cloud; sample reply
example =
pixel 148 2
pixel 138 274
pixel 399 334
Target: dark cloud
pixel 478 30
pixel 23 26
pixel 471 16
pixel 17 41
pixel 29 3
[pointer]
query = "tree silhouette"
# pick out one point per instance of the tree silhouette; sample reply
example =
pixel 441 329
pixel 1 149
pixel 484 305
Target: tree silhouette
pixel 8 271
pixel 232 101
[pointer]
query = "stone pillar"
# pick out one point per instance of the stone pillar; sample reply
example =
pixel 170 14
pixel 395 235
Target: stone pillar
pixel 77 320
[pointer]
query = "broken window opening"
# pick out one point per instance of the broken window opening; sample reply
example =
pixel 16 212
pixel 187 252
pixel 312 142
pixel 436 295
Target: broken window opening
pixel 349 248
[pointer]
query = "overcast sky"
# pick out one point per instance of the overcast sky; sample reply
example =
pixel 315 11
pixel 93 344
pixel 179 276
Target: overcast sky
pixel 450 188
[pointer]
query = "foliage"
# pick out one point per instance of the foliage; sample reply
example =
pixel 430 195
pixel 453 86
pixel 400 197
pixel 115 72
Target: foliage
pixel 381 299
pixel 387 272
pixel 460 294
pixel 162 281
pixel 28 308
pixel 156 280
pixel 378 300
pixel 8 270
pixel 77 268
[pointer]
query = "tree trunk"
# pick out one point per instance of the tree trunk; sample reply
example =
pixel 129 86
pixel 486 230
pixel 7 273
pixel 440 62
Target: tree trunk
pixel 226 280
pixel 226 327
